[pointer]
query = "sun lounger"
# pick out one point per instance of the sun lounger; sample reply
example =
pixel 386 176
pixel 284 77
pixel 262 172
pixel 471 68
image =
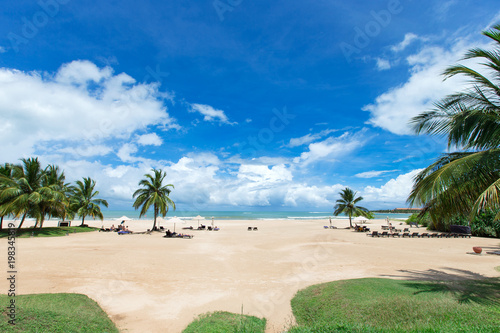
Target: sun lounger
pixel 123 232
pixel 434 235
pixel 249 229
pixel 374 234
pixel 325 226
pixel 255 229
pixel 384 234
pixel 406 230
pixel 406 234
pixel 415 234
pixel 396 234
pixel 425 234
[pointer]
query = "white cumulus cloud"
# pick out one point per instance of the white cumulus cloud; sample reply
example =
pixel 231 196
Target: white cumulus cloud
pixel 332 148
pixel 151 139
pixel 80 103
pixel 395 190
pixel 393 109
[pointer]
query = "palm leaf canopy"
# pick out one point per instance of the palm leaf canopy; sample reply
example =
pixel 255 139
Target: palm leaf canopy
pixel 467 181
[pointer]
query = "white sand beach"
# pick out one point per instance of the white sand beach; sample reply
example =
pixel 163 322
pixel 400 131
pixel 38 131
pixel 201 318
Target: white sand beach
pixel 147 283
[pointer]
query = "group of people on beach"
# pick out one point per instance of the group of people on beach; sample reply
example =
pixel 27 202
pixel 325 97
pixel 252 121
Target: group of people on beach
pixel 121 227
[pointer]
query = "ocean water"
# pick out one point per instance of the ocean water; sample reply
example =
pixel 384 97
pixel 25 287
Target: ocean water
pixel 242 215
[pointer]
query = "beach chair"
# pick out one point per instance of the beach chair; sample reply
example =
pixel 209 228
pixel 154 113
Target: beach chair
pixel 406 230
pixel 374 234
pixel 425 234
pixel 255 229
pixel 415 234
pixel 325 226
pixel 249 229
pixel 384 234
pixel 396 234
pixel 405 234
pixel 434 235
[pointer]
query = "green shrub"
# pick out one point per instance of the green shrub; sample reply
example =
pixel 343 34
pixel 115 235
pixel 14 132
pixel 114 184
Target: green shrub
pixel 424 221
pixel 483 224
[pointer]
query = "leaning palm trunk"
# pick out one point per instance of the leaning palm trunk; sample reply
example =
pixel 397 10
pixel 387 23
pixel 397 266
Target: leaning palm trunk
pixel 41 221
pixel 22 221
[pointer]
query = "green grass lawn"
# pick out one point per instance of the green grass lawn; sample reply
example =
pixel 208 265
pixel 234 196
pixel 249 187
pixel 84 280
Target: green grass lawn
pixel 385 305
pixel 226 322
pixel 53 313
pixel 46 232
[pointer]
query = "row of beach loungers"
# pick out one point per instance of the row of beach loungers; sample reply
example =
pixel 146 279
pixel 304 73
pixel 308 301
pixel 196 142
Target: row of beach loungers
pixel 418 235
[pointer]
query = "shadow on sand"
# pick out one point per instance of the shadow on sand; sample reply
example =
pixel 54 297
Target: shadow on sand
pixel 466 286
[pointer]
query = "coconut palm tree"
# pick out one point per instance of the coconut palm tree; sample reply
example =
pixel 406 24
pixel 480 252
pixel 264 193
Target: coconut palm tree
pixel 21 189
pixel 155 194
pixel 51 199
pixel 467 181
pixel 347 205
pixel 84 202
pixel 5 178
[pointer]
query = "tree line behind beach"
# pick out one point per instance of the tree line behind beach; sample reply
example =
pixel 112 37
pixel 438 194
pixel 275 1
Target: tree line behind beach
pixel 30 190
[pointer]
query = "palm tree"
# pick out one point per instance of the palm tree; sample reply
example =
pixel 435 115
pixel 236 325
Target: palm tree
pixel 153 193
pixel 51 197
pixel 5 177
pixel 468 181
pixel 21 189
pixel 83 200
pixel 347 205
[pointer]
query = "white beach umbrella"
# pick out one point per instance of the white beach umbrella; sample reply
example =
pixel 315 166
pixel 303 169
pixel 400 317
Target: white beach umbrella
pixel 198 218
pixel 360 219
pixel 175 220
pixel 123 219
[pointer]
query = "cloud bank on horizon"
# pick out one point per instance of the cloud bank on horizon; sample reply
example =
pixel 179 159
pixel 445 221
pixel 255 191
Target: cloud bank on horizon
pixel 285 127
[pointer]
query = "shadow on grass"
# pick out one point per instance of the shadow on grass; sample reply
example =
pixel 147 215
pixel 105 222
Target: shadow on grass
pixel 466 286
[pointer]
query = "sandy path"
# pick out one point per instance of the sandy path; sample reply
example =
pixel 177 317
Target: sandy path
pixel 147 283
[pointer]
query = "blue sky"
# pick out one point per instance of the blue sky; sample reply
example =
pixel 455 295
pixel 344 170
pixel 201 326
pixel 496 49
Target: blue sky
pixel 247 105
